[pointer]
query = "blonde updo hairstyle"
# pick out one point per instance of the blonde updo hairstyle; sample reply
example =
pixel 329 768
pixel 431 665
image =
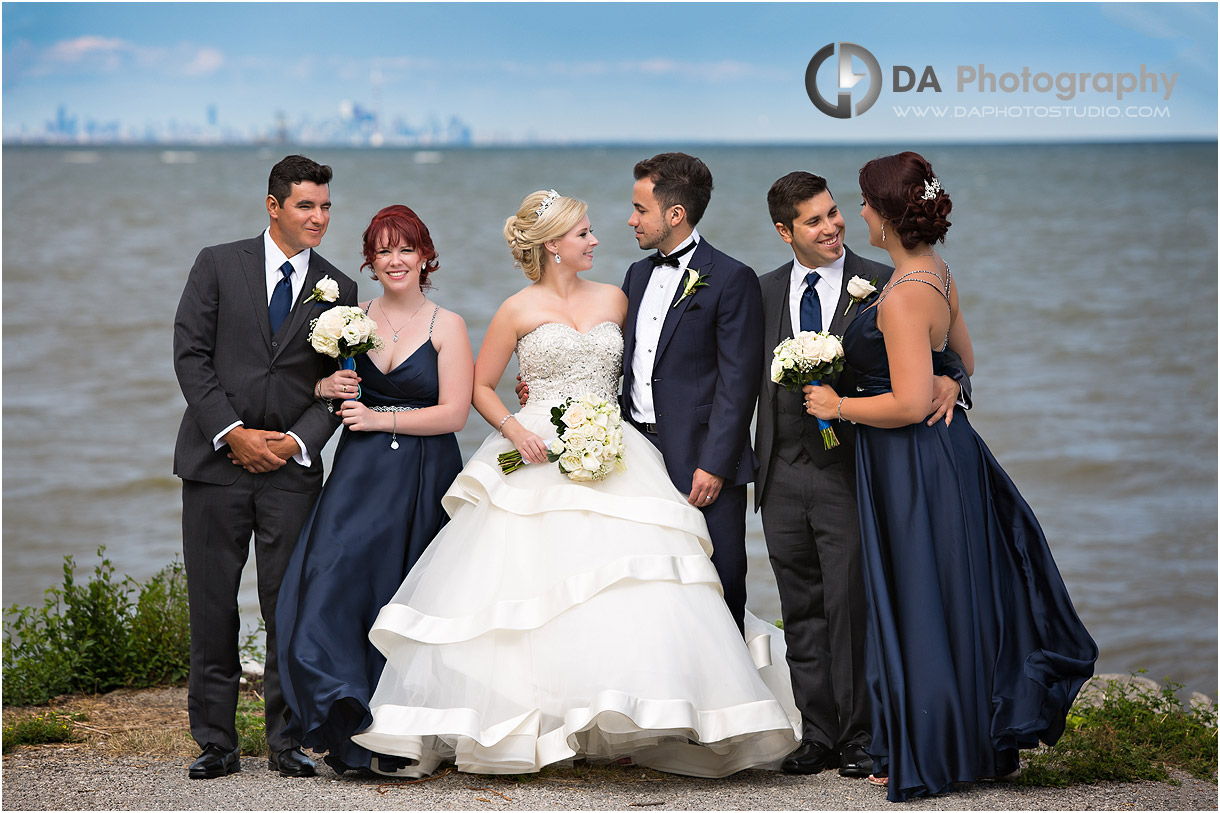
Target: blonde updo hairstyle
pixel 527 231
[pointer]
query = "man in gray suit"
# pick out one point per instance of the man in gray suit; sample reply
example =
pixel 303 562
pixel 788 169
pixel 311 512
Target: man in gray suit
pixel 807 493
pixel 250 443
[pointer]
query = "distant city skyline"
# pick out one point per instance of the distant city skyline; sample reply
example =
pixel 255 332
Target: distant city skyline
pixel 487 73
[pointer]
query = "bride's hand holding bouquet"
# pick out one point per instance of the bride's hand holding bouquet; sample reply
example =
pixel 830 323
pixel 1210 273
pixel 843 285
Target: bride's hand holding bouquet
pixel 588 444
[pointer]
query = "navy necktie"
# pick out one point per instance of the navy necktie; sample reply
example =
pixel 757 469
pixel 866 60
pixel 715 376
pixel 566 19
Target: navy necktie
pixel 281 298
pixel 811 305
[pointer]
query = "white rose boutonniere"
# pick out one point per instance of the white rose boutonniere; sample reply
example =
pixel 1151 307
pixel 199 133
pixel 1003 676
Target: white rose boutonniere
pixel 327 290
pixel 859 289
pixel 694 281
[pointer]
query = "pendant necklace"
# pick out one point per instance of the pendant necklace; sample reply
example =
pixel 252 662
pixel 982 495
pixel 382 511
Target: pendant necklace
pixel 404 324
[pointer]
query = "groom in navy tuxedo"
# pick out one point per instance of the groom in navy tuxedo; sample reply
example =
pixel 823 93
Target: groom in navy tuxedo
pixel 693 338
pixel 250 443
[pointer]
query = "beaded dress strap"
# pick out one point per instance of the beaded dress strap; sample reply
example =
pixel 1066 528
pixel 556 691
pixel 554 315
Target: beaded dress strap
pixel 435 309
pixel 943 292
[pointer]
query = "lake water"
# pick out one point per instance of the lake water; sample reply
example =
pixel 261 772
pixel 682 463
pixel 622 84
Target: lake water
pixel 1088 276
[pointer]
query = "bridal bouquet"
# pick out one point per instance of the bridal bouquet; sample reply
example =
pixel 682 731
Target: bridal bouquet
pixel 589 445
pixel 343 332
pixel 804 359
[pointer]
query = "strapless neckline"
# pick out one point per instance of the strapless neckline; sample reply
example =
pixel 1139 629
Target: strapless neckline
pixel 576 330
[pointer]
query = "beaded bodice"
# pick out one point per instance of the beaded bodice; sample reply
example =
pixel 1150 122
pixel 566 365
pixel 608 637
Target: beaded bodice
pixel 558 361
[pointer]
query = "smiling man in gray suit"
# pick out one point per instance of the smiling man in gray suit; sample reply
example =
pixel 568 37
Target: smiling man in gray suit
pixel 808 493
pixel 250 443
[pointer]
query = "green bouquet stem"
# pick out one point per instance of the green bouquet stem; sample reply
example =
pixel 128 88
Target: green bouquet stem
pixel 511 461
pixel 829 439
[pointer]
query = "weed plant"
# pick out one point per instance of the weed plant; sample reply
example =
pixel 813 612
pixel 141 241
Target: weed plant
pixel 98 636
pixel 49 727
pixel 1132 733
pixel 251 725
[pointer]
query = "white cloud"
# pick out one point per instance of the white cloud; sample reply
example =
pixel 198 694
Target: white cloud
pixel 87 53
pixel 93 55
pixel 724 70
pixel 205 62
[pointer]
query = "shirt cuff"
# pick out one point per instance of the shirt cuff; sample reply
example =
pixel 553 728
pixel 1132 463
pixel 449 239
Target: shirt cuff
pixel 219 442
pixel 302 456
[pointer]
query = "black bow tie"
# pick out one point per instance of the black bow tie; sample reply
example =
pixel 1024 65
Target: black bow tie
pixel 671 259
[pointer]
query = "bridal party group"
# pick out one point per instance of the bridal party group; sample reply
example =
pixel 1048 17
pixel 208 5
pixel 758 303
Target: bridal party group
pixel 576 589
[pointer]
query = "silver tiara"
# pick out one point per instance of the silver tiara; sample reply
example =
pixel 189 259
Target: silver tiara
pixel 931 189
pixel 550 198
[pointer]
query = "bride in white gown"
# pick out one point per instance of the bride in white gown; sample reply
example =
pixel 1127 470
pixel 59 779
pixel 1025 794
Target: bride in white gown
pixel 552 619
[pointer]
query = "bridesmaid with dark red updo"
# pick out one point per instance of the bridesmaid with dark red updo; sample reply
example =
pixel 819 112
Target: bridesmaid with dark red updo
pixel 381 505
pixel 974 648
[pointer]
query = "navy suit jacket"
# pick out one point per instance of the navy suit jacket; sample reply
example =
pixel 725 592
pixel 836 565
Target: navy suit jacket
pixel 705 378
pixel 230 367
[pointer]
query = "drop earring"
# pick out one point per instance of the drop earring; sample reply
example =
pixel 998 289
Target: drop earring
pixel 883 232
pixel 557 258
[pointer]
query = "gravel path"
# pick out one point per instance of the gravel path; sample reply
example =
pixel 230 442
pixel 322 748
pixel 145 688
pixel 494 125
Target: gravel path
pixel 68 778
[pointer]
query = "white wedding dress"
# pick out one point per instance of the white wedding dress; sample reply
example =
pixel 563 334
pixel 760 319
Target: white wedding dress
pixel 550 619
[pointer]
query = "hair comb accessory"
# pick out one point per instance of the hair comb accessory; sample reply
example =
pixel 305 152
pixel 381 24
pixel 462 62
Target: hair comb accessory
pixel 931 189
pixel 550 198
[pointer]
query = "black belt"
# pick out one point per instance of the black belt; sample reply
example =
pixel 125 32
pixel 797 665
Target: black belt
pixel 650 428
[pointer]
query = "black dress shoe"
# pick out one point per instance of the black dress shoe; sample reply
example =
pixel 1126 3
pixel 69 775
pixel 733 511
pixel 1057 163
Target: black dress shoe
pixel 810 758
pixel 215 761
pixel 855 762
pixel 292 762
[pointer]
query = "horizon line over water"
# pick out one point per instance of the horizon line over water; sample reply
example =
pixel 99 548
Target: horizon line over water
pixel 668 145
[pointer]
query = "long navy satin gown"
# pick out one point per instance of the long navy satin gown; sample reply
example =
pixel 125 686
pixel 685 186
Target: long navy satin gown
pixel 974 648
pixel 376 514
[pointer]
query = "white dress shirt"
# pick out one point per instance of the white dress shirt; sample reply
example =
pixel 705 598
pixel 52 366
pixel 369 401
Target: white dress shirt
pixel 830 283
pixel 654 307
pixel 273 258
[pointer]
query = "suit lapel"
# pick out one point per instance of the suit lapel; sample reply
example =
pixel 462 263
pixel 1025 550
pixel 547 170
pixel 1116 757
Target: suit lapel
pixel 635 292
pixel 300 313
pixel 777 321
pixel 779 315
pixel 701 262
pixel 253 268
pixel 845 309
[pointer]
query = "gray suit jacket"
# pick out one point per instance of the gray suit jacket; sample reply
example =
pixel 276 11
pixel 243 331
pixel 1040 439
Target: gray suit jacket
pixel 231 368
pixel 777 326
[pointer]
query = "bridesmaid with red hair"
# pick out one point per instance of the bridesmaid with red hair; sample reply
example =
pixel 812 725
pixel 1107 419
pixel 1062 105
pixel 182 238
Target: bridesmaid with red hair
pixel 381 505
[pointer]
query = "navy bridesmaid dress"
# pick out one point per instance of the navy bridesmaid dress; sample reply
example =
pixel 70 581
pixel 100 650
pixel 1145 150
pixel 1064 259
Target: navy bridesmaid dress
pixel 974 647
pixel 376 514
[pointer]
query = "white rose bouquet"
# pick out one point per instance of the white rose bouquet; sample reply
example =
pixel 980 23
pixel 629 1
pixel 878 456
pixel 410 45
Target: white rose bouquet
pixel 589 444
pixel 804 359
pixel 343 332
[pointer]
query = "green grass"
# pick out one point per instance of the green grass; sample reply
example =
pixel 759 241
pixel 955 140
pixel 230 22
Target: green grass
pixel 49 727
pixel 251 725
pixel 1134 733
pixel 96 636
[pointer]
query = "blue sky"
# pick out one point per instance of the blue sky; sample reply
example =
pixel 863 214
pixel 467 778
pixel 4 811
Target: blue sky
pixel 580 72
